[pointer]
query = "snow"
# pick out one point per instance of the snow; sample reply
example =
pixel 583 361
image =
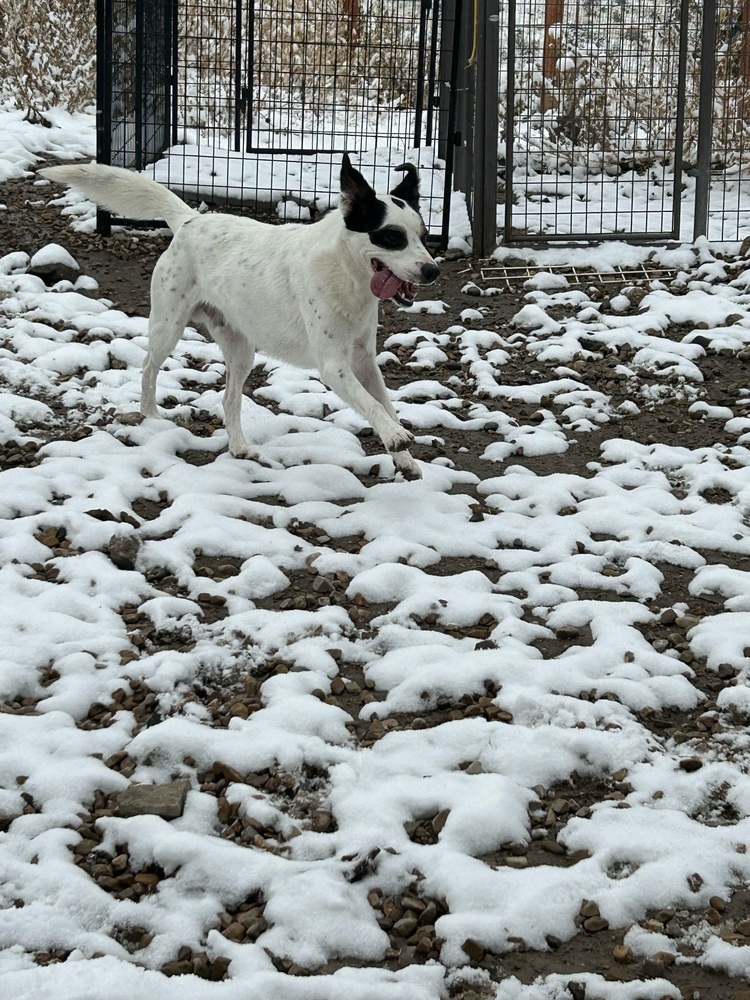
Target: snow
pixel 567 550
pixel 53 253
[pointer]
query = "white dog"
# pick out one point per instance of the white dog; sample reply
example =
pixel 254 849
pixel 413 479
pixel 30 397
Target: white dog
pixel 306 294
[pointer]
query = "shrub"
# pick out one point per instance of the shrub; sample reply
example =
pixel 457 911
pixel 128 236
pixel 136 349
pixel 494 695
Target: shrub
pixel 48 52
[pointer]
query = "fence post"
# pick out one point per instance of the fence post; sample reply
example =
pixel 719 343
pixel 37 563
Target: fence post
pixel 103 100
pixel 705 118
pixel 463 138
pixel 486 121
pixel 448 33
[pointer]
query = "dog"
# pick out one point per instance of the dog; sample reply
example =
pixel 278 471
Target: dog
pixel 305 294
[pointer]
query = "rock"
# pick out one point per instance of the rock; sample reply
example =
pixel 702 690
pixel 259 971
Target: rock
pixel 551 846
pixel 473 949
pixel 53 263
pixel 406 926
pixel 439 820
pixel 167 801
pixel 123 551
pixel 623 954
pixel 593 925
pixel 691 764
pixel 180 968
pixel 235 932
pixel 652 968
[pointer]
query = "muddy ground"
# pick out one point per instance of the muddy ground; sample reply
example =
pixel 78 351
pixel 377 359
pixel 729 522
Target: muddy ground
pixel 122 265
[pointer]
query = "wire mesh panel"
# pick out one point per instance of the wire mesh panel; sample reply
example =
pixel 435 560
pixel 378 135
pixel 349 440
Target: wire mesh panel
pixel 269 93
pixel 729 195
pixel 135 57
pixel 595 98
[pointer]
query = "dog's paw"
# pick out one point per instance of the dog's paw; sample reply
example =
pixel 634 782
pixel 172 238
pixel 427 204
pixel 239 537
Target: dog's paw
pixel 243 451
pixel 399 440
pixel 406 465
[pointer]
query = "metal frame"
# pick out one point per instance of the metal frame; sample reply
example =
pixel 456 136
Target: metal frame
pixel 516 191
pixel 707 80
pixel 227 70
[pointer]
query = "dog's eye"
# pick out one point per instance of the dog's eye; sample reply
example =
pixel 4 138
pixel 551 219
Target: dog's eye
pixel 390 238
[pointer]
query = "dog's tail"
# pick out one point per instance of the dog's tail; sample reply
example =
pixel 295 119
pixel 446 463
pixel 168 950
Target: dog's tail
pixel 124 192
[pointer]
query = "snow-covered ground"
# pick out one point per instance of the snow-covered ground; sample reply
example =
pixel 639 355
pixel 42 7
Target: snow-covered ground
pixel 572 553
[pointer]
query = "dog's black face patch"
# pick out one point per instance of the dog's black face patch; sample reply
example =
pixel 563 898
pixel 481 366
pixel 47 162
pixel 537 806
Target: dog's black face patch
pixel 390 238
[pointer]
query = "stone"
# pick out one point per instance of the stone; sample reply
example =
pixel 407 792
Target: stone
pixel 473 949
pixel 167 800
pixel 53 263
pixel 589 908
pixel 593 925
pixel 652 968
pixel 406 926
pixel 123 551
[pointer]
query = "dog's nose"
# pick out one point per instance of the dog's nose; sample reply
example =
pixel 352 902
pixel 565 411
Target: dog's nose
pixel 430 272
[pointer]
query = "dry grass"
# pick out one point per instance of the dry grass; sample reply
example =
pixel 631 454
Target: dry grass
pixel 48 54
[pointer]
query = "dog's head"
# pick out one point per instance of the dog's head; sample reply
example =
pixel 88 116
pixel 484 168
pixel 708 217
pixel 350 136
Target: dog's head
pixel 395 231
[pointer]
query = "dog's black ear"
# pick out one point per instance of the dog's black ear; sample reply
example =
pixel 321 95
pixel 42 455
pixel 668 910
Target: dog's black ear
pixel 408 188
pixel 363 211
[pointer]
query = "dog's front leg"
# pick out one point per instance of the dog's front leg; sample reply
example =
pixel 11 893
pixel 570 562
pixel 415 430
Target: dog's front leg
pixel 337 374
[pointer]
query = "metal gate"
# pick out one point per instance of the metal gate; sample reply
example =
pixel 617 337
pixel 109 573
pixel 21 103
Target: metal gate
pixel 253 101
pixel 625 120
pixel 595 104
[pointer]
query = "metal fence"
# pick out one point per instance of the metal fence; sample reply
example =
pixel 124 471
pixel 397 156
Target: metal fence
pixel 625 119
pixel 263 97
pixel 574 120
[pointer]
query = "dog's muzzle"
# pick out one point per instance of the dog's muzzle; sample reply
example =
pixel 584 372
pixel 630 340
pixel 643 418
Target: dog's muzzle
pixel 387 285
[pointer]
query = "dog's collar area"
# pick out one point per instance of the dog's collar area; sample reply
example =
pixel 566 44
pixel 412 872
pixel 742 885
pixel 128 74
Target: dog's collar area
pixel 387 285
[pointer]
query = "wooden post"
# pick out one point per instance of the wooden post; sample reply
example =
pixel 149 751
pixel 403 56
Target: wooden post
pixel 745 50
pixel 554 11
pixel 351 11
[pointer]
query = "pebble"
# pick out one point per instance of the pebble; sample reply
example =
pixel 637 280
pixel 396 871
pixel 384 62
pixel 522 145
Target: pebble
pixel 652 968
pixel 593 925
pixel 473 949
pixel 165 800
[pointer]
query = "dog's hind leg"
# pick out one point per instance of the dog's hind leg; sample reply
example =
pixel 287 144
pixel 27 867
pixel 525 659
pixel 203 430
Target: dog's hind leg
pixel 163 334
pixel 239 357
pixel 170 312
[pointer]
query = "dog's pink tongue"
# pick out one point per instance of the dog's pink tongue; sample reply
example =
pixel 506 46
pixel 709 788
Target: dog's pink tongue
pixel 385 284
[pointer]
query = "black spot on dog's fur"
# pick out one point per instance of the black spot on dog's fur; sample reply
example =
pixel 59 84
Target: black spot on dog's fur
pixel 397 201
